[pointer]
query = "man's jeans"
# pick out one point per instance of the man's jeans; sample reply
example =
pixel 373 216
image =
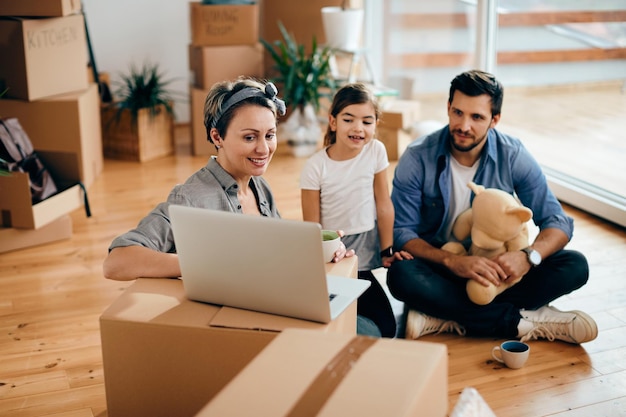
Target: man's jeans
pixel 433 290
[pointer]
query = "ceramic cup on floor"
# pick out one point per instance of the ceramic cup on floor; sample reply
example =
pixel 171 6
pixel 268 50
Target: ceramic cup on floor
pixel 512 353
pixel 330 243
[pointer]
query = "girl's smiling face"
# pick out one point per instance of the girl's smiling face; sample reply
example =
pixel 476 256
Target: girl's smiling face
pixel 355 125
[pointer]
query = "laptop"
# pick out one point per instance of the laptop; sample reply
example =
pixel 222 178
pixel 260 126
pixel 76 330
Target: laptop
pixel 258 263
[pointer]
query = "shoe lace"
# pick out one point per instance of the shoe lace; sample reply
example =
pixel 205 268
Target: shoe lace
pixel 541 332
pixel 452 327
pixel 436 325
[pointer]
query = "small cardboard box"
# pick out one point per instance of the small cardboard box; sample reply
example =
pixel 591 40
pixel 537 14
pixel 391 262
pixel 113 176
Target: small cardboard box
pixel 47 56
pixel 149 137
pixel 234 61
pixel 395 141
pixel 200 144
pixel 15 197
pixel 14 239
pixel 303 372
pixel 164 355
pixel 65 123
pixel 399 114
pixel 224 24
pixel 40 8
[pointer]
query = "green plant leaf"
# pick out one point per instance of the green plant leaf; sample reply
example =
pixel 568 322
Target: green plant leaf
pixel 143 88
pixel 304 77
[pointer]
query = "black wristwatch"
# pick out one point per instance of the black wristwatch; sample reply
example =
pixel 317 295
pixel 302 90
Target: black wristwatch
pixel 385 253
pixel 534 257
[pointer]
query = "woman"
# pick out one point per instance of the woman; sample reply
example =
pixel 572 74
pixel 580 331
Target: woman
pixel 240 119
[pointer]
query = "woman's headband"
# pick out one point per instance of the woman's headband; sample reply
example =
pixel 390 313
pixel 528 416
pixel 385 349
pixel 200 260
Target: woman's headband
pixel 270 92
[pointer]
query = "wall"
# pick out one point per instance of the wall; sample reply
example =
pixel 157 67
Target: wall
pixel 124 32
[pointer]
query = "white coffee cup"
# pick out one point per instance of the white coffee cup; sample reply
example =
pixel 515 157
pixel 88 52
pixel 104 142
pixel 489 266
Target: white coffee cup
pixel 330 243
pixel 512 353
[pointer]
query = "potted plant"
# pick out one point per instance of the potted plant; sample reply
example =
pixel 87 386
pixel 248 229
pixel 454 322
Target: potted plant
pixel 139 124
pixel 305 78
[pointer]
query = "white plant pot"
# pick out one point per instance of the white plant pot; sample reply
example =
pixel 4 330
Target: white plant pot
pixel 301 131
pixel 343 27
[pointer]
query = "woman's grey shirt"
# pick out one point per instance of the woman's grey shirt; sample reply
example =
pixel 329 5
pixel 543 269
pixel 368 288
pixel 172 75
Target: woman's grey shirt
pixel 212 188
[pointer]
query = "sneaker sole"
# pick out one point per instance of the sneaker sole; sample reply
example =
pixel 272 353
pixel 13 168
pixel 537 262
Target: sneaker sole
pixel 590 323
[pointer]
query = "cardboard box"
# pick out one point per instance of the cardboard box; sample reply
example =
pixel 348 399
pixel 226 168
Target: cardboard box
pixel 399 114
pixel 47 56
pixel 65 123
pixel 303 372
pixel 14 239
pixel 164 355
pixel 41 8
pixel 223 24
pixel 16 205
pixel 395 141
pixel 200 145
pixel 234 61
pixel 149 137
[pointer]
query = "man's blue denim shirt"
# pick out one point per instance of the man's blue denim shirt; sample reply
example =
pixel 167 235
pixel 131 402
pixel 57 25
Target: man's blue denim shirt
pixel 421 185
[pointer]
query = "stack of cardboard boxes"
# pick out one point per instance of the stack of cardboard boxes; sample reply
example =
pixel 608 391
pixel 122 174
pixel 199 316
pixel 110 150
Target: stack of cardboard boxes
pixel 165 355
pixel 45 75
pixel 224 45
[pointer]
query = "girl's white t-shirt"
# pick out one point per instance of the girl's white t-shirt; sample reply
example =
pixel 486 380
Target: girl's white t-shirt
pixel 346 187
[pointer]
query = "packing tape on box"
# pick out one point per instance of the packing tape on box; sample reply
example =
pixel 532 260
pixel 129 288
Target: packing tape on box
pixel 329 378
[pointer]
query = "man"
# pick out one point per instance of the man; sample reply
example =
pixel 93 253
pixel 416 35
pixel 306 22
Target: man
pixel 430 190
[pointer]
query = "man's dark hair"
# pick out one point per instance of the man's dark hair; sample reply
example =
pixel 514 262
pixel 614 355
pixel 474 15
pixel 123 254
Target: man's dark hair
pixel 475 83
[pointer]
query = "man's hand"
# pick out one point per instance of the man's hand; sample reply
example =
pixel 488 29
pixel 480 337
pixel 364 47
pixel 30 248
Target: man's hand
pixel 514 264
pixel 481 270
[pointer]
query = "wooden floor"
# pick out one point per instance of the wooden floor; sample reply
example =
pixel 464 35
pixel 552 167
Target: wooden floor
pixel 52 296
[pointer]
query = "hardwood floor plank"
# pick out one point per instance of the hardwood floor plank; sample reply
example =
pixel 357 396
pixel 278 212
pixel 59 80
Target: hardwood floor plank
pixel 54 402
pixel 611 408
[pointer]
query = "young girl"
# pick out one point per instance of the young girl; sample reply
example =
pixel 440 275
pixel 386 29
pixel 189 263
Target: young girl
pixel 344 187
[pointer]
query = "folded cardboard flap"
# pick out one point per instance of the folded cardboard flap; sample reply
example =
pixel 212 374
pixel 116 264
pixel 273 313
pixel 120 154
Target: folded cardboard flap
pixel 15 196
pixel 63 166
pixel 236 318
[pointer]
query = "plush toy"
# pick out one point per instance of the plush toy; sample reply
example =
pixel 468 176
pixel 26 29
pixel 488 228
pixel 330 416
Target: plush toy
pixel 496 223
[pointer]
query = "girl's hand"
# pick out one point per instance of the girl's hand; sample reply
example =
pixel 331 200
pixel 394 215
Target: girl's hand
pixel 397 256
pixel 342 252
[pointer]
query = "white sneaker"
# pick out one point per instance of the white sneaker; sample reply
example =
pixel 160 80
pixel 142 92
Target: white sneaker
pixel 419 324
pixel 569 326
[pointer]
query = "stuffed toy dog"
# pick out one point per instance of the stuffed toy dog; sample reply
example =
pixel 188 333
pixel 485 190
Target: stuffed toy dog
pixel 496 223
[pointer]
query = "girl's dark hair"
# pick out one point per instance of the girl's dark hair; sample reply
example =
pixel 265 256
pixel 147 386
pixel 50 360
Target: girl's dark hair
pixel 475 83
pixel 355 93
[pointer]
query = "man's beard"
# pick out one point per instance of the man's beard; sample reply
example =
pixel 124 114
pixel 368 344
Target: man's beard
pixel 468 147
